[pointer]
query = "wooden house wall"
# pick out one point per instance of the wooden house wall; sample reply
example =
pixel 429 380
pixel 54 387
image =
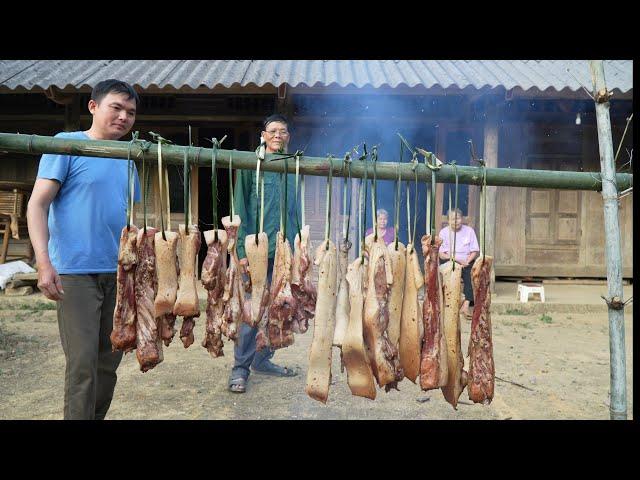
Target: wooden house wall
pixel 23 168
pixel 578 248
pixel 582 214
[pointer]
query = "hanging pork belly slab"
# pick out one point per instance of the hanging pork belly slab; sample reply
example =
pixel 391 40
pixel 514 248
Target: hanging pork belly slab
pixel 123 335
pixel 319 372
pixel 481 368
pixel 411 320
pixel 258 258
pixel 457 377
pixel 433 362
pixel 354 355
pixel 212 277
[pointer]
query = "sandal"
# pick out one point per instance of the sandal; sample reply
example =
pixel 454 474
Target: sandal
pixel 269 368
pixel 238 385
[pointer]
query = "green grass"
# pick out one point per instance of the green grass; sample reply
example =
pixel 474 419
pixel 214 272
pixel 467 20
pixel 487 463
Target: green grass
pixel 546 318
pixel 40 305
pixel 516 324
pixel 515 311
pixel 34 307
pixel 15 344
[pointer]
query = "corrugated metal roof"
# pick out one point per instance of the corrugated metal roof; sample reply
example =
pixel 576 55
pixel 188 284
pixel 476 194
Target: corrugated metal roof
pixel 179 74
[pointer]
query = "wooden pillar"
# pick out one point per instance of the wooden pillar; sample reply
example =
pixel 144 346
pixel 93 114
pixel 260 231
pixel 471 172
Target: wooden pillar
pixel 72 115
pixel 490 156
pixel 474 190
pixel 194 180
pixel 283 100
pixel 441 153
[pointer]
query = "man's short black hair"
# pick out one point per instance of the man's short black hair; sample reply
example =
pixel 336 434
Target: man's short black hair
pixel 105 87
pixel 276 117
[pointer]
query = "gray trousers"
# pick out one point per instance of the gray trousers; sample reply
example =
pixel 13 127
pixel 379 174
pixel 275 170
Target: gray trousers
pixel 85 320
pixel 244 351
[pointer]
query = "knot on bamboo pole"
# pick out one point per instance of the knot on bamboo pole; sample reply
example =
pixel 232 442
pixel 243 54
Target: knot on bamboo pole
pixel 603 95
pixel 615 302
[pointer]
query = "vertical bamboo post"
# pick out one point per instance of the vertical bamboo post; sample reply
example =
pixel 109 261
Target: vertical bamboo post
pixel 613 256
pixel 195 182
pixel 72 114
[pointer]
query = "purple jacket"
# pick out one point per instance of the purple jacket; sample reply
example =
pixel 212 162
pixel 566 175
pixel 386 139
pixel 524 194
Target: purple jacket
pixel 389 234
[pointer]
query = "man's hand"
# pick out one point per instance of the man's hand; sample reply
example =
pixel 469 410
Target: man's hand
pixel 44 191
pixel 49 282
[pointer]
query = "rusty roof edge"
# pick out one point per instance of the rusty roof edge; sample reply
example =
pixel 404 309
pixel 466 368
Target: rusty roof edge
pixel 517 92
pixel 318 87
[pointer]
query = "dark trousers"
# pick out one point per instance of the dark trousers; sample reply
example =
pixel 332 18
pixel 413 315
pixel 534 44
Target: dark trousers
pixel 244 350
pixel 85 320
pixel 467 285
pixel 466 282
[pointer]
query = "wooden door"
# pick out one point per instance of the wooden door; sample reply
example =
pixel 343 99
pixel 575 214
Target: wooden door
pixel 553 218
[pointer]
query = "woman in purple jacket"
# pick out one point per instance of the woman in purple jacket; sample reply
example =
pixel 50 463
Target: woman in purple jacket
pixel 387 233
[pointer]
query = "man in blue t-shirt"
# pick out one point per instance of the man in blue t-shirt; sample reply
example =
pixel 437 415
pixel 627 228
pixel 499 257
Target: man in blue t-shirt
pixel 75 215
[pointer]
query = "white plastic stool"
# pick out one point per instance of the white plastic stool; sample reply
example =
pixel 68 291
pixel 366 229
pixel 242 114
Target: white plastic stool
pixel 525 289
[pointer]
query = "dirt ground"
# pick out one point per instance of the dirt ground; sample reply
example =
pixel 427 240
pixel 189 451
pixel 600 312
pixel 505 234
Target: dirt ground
pixel 562 360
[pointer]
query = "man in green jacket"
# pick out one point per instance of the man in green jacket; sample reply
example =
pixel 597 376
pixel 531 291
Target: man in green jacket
pixel 275 139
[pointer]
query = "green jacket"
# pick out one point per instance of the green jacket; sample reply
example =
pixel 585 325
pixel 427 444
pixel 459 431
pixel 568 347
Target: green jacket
pixel 245 202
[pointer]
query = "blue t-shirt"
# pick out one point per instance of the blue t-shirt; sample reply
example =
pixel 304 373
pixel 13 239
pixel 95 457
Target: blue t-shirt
pixel 89 211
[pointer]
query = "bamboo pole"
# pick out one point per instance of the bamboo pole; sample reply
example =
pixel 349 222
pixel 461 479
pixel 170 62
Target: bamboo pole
pixel 618 369
pixel 174 154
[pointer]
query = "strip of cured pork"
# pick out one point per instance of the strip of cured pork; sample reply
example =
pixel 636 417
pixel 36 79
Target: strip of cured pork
pixel 236 309
pixel 342 303
pixel 123 335
pixel 319 372
pixel 411 320
pixel 302 288
pixel 457 377
pixel 433 360
pixel 398 259
pixel 354 355
pixel 481 368
pixel 149 343
pixel 383 356
pixel 277 331
pixel 258 258
pixel 167 273
pixel 212 277
pixel 186 305
pixel 168 320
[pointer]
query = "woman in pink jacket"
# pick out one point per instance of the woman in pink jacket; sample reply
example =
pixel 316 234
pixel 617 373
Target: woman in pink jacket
pixel 467 250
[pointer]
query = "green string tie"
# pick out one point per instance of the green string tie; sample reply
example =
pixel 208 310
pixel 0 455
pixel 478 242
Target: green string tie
pixel 329 190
